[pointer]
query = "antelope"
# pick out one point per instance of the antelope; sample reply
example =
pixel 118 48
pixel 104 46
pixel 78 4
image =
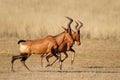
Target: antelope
pixel 48 44
pixel 58 40
pixel 64 47
pixel 76 36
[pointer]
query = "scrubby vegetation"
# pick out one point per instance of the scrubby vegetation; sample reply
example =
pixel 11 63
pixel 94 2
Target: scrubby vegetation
pixel 30 19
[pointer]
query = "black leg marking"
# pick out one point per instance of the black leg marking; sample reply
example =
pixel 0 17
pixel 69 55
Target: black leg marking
pixel 13 59
pixel 24 58
pixel 73 56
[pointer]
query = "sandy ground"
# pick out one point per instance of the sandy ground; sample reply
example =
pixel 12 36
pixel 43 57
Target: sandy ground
pixel 31 19
pixel 95 60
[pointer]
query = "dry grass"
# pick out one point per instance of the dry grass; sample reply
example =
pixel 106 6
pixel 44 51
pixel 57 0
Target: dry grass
pixel 36 18
pixel 97 58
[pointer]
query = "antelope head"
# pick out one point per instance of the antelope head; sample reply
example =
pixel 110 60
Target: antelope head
pixel 76 34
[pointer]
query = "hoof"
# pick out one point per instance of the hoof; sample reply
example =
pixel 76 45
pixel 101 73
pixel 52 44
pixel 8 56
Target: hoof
pixel 48 65
pixel 61 61
pixel 13 70
pixel 60 67
pixel 72 62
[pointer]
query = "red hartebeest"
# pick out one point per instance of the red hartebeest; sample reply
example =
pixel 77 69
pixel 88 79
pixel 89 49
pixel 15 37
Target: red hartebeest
pixel 76 36
pixel 40 46
pixel 64 47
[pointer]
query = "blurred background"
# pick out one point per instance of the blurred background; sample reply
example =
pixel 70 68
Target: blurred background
pixel 30 19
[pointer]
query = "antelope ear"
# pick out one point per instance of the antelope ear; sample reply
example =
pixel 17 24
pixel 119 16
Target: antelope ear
pixel 73 31
pixel 64 28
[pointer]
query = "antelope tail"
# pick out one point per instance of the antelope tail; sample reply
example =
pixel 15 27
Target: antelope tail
pixel 21 41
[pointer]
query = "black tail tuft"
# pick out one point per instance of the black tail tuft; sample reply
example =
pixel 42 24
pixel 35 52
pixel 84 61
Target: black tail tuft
pixel 21 41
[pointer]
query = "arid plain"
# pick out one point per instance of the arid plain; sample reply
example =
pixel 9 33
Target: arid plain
pixel 97 58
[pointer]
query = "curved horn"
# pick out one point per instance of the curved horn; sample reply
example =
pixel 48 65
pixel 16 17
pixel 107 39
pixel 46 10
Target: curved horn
pixel 76 25
pixel 71 20
pixel 80 25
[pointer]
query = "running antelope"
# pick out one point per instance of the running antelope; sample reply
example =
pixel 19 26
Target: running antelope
pixel 48 44
pixel 65 47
